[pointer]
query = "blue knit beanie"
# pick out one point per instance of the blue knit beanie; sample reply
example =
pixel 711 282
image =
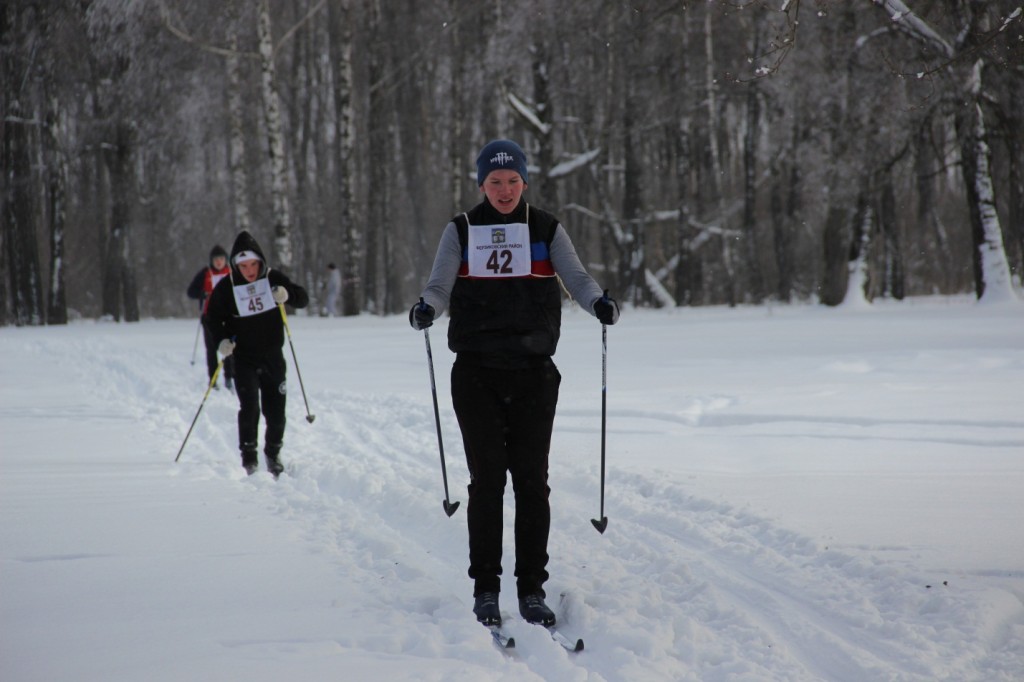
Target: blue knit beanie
pixel 500 155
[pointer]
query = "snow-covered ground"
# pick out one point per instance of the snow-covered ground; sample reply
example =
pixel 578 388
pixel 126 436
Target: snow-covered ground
pixel 793 493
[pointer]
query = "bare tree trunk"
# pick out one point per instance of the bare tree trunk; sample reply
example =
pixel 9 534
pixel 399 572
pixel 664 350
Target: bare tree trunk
pixel 780 234
pixel 457 127
pixel 991 269
pixel 687 271
pixel 859 282
pixel 928 222
pixel 1012 124
pixel 119 289
pixel 894 278
pixel 55 162
pixel 714 154
pixel 275 142
pixel 794 215
pixel 391 280
pixel 632 267
pixel 750 251
pixel 341 19
pixel 785 212
pixel 57 171
pixel 19 232
pixel 377 135
pixel 301 101
pixel 410 109
pixel 614 244
pixel 687 265
pixel 837 234
pixel 837 243
pixel 18 238
pixel 236 114
pixel 327 244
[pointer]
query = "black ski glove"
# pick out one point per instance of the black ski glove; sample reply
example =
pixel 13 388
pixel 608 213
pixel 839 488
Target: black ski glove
pixel 421 315
pixel 606 309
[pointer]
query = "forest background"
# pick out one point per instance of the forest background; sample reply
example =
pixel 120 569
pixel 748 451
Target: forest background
pixel 699 153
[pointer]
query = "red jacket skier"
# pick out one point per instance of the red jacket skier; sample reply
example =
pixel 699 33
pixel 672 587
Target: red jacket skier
pixel 200 289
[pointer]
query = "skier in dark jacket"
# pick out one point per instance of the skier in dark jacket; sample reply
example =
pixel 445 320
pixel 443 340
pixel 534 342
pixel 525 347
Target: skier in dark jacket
pixel 495 272
pixel 247 326
pixel 200 289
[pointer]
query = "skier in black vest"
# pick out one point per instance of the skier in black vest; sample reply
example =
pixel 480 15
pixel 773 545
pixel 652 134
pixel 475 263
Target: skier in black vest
pixel 244 319
pixel 495 272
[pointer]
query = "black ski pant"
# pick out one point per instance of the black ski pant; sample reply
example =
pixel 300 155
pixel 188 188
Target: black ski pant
pixel 211 355
pixel 506 417
pixel 261 387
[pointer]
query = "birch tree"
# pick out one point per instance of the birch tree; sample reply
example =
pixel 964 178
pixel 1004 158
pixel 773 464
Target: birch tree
pixel 57 173
pixel 275 139
pixel 236 116
pixel 342 17
pixel 377 187
pixel 992 271
pixel 859 276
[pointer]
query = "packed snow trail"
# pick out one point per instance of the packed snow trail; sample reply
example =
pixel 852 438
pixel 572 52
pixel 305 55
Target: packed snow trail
pixel 680 587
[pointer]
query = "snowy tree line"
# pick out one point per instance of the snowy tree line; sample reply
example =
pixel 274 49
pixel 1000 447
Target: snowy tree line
pixel 698 152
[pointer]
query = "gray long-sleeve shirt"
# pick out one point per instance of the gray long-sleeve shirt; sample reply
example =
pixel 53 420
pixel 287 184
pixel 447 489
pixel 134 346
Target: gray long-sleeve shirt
pixel 567 265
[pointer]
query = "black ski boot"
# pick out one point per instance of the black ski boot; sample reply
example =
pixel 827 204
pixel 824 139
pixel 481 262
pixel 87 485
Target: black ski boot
pixel 274 465
pixel 249 460
pixel 485 606
pixel 533 610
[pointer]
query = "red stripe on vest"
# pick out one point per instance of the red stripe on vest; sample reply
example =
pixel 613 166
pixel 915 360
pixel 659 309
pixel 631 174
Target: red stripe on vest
pixel 542 268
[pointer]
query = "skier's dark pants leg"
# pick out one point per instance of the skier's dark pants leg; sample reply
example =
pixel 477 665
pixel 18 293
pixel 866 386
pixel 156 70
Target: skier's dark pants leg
pixel 528 447
pixel 260 386
pixel 274 393
pixel 506 417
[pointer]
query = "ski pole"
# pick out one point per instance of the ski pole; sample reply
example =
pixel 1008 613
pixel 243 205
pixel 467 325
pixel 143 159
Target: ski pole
pixel 602 523
pixel 284 317
pixel 195 344
pixel 449 507
pixel 213 382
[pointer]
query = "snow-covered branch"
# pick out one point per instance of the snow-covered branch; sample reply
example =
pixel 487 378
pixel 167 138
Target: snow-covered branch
pixel 185 36
pixel 573 164
pixel 658 290
pixel 531 117
pixel 906 21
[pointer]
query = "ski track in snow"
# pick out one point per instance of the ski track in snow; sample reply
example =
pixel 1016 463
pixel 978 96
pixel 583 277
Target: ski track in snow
pixel 678 587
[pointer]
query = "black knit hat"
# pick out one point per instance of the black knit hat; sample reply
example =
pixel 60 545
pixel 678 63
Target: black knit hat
pixel 500 155
pixel 218 250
